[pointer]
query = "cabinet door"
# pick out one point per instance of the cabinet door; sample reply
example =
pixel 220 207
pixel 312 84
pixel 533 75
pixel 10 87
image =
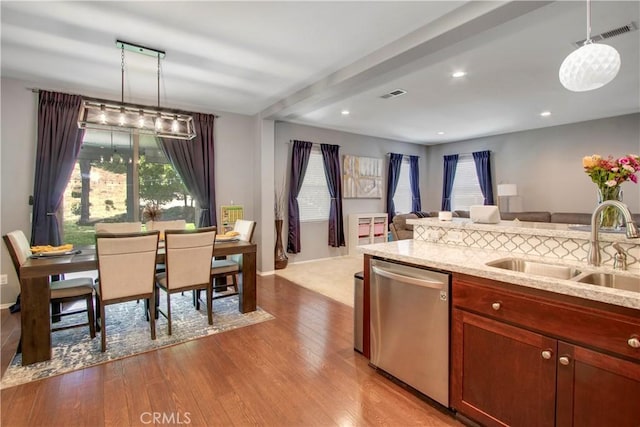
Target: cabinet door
pixel 596 389
pixel 501 374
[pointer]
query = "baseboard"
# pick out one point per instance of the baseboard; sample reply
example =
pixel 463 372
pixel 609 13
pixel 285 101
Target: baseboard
pixel 266 273
pixel 7 305
pixel 323 259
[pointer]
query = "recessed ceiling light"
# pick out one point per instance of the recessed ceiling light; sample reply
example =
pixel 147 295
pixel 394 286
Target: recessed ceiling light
pixel 440 133
pixel 345 112
pixel 458 74
pixel 545 113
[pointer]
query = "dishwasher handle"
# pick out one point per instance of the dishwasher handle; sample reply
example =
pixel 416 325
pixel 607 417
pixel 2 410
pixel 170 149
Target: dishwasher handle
pixel 408 279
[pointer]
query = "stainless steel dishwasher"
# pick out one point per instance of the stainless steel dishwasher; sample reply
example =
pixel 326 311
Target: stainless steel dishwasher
pixel 410 326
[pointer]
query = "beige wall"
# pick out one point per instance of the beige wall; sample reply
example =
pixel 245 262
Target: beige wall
pixel 546 164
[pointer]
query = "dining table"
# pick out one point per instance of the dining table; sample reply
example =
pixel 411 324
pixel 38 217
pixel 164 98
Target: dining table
pixel 34 290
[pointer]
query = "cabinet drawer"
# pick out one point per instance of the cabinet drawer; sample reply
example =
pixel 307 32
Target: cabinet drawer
pixel 579 324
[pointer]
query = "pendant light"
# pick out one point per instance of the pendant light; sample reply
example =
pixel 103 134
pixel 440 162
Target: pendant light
pixel 591 66
pixel 143 119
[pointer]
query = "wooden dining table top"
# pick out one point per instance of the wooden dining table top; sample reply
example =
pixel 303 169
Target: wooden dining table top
pixel 86 259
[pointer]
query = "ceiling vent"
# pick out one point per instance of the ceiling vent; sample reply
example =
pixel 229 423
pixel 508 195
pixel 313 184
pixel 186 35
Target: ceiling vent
pixel 393 94
pixel 611 33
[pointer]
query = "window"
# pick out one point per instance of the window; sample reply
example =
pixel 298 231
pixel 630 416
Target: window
pixel 314 199
pixel 466 188
pixel 102 189
pixel 402 197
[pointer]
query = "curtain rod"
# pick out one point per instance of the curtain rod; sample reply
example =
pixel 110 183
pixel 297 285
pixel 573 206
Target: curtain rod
pixel 388 154
pixel 468 154
pixel 314 143
pixel 175 110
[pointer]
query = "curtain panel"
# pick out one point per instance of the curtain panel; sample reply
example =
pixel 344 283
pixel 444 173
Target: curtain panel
pixel 449 173
pixel 393 176
pixel 482 160
pixel 331 160
pixel 195 163
pixel 414 182
pixel 301 152
pixel 58 146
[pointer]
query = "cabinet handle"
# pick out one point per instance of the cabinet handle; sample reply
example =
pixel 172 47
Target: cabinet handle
pixel 564 360
pixel 496 306
pixel 634 342
pixel 546 354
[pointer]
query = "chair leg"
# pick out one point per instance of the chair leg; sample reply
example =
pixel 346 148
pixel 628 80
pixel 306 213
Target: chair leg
pixel 91 316
pixel 152 316
pixel 98 315
pixel 234 279
pixel 196 299
pixel 169 310
pixel 103 333
pixel 209 293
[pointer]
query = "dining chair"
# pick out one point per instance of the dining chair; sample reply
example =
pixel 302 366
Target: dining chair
pixel 118 227
pixel 232 265
pixel 188 255
pixel 61 291
pixel 162 226
pixel 127 267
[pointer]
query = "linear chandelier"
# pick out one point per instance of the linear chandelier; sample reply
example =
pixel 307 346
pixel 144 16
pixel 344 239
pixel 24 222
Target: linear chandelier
pixel 124 117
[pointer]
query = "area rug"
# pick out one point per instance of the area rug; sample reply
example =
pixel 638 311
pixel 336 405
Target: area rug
pixel 128 333
pixel 332 277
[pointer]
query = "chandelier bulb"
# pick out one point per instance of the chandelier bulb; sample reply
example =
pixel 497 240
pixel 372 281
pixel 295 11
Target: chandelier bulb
pixel 158 123
pixel 103 115
pixel 141 119
pixel 174 126
pixel 123 119
pixel 101 159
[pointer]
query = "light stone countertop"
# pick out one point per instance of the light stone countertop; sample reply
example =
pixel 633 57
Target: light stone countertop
pixel 547 229
pixel 472 261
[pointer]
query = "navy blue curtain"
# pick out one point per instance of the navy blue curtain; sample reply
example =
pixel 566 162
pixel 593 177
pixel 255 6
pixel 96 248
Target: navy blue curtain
pixel 450 163
pixel 395 162
pixel 331 161
pixel 482 160
pixel 414 182
pixel 59 143
pixel 299 160
pixel 195 163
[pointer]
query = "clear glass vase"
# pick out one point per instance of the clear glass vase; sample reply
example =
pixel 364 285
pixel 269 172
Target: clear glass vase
pixel 610 217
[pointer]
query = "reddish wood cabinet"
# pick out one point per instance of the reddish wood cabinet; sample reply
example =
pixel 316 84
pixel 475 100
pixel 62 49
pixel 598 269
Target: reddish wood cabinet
pixel 524 358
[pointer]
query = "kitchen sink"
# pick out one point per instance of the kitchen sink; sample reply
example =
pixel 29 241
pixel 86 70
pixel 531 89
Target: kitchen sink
pixel 537 268
pixel 610 280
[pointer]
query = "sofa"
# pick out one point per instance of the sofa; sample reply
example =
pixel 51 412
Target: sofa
pixel 400 230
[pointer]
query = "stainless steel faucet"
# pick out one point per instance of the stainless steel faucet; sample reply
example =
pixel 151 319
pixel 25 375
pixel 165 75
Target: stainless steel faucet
pixel 632 229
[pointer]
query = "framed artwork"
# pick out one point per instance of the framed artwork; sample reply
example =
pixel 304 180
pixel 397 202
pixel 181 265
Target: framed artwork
pixel 362 177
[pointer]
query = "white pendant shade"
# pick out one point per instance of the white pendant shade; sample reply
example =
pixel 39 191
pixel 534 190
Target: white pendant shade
pixel 589 67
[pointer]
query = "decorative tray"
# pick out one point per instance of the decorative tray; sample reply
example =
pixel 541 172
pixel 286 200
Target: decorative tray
pixel 222 238
pixel 56 253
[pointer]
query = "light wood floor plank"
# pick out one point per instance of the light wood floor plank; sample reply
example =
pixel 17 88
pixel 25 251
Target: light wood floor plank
pixel 298 369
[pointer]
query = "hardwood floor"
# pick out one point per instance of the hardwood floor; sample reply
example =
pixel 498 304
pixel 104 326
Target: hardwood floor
pixel 297 370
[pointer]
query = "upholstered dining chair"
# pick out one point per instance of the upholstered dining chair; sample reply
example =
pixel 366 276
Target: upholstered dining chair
pixel 118 227
pixel 61 291
pixel 232 265
pixel 162 226
pixel 127 267
pixel 188 255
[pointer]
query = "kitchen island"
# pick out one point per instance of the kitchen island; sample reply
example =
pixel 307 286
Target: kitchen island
pixel 527 349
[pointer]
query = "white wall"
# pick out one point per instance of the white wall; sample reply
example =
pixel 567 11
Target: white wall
pixel 546 164
pixel 314 234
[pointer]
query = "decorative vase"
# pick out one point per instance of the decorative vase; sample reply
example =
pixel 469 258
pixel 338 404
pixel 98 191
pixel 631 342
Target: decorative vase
pixel 610 217
pixel 281 259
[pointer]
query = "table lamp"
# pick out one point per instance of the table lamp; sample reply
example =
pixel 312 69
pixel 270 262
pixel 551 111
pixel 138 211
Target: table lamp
pixel 507 190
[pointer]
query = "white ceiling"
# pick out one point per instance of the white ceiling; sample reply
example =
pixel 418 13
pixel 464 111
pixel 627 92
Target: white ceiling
pixel 307 61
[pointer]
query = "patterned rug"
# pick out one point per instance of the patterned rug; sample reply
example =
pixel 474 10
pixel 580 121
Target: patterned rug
pixel 128 334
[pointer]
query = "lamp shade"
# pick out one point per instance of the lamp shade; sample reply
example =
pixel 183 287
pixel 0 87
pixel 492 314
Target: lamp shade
pixel 507 190
pixel 589 67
